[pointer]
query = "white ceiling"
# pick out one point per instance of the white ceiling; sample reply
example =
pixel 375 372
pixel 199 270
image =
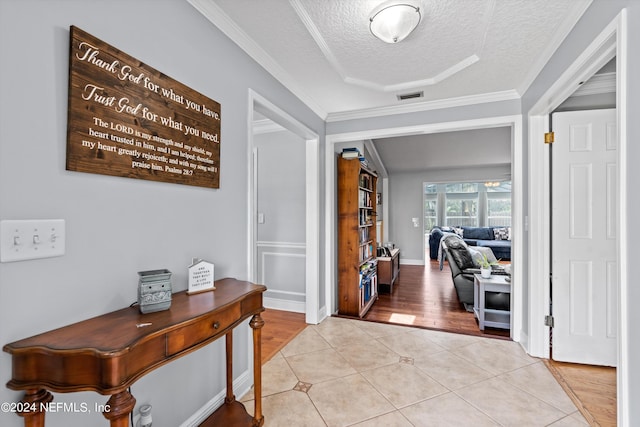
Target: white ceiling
pixel 477 148
pixel 463 51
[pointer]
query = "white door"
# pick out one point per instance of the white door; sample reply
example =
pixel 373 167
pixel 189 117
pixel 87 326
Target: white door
pixel 584 226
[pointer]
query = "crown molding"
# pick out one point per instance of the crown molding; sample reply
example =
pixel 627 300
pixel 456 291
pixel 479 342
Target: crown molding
pixel 563 31
pixel 423 106
pixel 224 23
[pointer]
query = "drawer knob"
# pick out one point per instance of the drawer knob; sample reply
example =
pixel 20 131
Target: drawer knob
pixel 216 325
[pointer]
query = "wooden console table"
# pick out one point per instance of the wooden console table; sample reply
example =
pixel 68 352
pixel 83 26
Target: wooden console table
pixel 388 269
pixel 108 353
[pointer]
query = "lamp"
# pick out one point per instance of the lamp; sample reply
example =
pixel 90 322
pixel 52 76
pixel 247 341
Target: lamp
pixel 392 22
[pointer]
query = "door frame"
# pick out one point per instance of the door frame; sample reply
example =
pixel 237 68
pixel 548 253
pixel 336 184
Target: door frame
pixel 517 172
pixel 312 200
pixel 612 41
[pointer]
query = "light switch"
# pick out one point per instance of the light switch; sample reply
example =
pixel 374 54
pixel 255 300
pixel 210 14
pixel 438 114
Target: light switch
pixel 31 239
pixel 416 222
pixel 260 217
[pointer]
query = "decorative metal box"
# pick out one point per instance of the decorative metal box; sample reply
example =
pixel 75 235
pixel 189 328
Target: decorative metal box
pixel 154 290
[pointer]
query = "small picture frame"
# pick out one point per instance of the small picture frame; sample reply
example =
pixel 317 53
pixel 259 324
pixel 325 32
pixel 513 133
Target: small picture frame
pixel 201 277
pixel 378 198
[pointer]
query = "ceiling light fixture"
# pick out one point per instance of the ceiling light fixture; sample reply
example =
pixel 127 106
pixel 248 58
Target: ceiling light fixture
pixel 392 22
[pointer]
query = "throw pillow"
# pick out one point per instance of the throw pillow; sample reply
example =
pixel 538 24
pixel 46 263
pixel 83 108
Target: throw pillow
pixel 501 233
pixel 479 252
pixel 476 256
pixel 487 252
pixel 479 233
pixel 459 231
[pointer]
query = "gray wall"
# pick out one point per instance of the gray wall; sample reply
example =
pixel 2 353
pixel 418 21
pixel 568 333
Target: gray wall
pixel 116 226
pixel 281 186
pixel 592 23
pixel 469 112
pixel 588 102
pixel 281 198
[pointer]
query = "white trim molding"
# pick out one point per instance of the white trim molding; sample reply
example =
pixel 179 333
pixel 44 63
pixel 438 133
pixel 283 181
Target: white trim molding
pixel 612 41
pixel 288 245
pixel 415 107
pixel 515 122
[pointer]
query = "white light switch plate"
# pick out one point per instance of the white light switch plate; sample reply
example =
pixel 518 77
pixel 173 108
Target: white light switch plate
pixel 30 239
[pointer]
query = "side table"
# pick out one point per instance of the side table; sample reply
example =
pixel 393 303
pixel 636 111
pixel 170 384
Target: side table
pixel 388 269
pixel 487 316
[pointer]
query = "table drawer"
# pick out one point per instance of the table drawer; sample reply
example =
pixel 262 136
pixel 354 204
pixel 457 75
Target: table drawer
pixel 208 327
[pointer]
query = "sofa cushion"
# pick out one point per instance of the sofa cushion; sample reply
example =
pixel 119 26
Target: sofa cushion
pixel 479 233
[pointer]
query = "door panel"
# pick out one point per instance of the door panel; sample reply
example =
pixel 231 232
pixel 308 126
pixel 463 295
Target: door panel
pixel 584 215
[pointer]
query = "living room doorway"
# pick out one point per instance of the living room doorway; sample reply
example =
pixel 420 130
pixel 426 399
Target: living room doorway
pixel 514 140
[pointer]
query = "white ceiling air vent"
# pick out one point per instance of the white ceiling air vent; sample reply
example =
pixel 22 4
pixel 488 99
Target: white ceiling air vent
pixel 405 96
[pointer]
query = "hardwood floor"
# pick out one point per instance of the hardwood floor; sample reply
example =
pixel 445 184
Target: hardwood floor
pixel 424 297
pixel 279 328
pixel 592 389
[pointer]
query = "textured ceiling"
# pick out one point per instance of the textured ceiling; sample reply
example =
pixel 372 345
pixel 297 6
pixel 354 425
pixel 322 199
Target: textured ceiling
pixel 466 50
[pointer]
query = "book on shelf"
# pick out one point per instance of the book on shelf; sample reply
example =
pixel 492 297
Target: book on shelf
pixel 365 252
pixel 365 181
pixel 368 282
pixel 352 153
pixel 364 199
pixel 364 234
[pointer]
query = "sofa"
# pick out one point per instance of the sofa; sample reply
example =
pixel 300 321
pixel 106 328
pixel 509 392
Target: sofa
pixel 496 238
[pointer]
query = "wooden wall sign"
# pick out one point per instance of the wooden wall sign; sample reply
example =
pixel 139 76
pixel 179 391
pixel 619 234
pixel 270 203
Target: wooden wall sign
pixel 128 119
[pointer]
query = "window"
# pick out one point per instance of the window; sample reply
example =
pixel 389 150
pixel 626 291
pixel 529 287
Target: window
pixel 472 204
pixel 499 205
pixel 461 204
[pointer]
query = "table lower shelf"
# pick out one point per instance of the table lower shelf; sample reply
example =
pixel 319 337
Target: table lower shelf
pixel 231 414
pixel 495 318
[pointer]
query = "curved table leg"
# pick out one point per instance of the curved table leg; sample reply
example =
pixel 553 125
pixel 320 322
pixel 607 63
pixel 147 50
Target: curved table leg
pixel 118 409
pixel 35 399
pixel 256 324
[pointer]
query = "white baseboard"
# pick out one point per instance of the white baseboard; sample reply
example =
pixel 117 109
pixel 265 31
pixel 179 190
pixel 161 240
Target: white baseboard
pixel 285 305
pixel 322 314
pixel 411 261
pixel 241 386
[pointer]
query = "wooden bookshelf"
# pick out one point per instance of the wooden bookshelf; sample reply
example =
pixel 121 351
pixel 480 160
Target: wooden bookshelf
pixel 357 244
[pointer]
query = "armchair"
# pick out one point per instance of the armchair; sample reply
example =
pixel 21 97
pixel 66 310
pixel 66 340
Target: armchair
pixel 462 266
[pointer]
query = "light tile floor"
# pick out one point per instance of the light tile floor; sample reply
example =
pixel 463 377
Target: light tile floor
pixel 354 373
